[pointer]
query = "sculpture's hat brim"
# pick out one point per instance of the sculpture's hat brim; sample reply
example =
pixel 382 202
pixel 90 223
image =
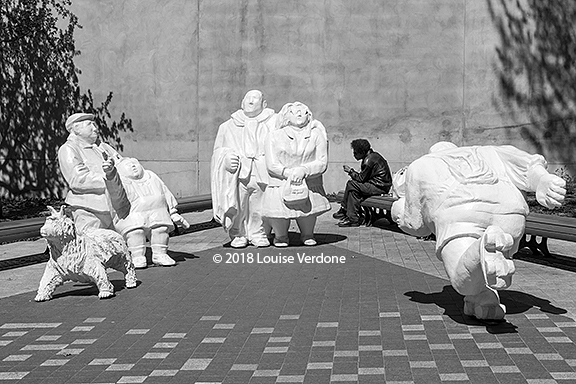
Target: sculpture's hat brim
pixel 77 117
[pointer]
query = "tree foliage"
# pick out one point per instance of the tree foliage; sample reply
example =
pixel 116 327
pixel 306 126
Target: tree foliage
pixel 537 71
pixel 39 89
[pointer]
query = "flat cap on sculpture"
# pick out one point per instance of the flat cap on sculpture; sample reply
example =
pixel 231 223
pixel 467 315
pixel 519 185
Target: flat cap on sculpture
pixel 77 117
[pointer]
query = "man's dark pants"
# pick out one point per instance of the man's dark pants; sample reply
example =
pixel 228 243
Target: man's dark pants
pixel 354 194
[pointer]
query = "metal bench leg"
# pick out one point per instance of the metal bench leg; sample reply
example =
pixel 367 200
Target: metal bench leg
pixel 535 246
pixel 543 247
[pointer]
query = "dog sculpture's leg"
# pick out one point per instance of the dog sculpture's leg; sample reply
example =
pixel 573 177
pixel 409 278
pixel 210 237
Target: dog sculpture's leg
pixel 50 280
pixel 95 269
pixel 130 273
pixel 125 265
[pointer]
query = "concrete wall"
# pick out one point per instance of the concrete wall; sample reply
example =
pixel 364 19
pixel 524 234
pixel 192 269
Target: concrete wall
pixel 401 73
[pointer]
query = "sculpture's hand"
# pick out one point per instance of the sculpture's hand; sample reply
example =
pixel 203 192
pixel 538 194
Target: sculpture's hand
pixel 398 209
pixel 179 220
pixel 551 191
pixel 108 167
pixel 346 168
pixel 232 162
pixel 297 175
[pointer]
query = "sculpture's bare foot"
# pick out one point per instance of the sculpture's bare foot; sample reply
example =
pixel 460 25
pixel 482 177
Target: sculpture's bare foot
pixel 42 297
pixel 497 267
pixel 485 305
pixel 105 294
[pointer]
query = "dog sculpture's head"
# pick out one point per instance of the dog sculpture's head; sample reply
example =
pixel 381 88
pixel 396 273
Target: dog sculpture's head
pixel 58 227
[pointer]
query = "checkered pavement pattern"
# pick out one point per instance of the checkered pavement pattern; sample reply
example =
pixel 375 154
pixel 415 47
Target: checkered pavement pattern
pixel 386 314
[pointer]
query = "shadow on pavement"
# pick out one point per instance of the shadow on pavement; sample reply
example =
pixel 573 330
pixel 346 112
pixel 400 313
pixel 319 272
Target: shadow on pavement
pixel 453 303
pixel 87 289
pixel 294 240
pixel 565 263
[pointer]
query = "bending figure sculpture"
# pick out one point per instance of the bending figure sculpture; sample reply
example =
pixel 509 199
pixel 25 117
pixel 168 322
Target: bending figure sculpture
pixel 471 199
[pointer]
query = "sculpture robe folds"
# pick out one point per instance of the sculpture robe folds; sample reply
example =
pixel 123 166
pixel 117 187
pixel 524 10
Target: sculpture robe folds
pixel 459 191
pixel 236 197
pixel 289 148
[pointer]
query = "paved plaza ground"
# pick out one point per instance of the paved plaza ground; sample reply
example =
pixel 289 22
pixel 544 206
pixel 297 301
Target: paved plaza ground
pixel 381 311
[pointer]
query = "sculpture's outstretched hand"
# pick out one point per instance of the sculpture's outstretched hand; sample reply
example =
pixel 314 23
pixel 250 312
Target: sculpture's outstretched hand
pixel 551 191
pixel 179 220
pixel 108 167
pixel 398 209
pixel 232 162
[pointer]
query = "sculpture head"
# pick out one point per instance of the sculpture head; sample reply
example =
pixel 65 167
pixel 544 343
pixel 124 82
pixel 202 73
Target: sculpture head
pixel 83 126
pixel 58 228
pixel 131 168
pixel 441 146
pixel 360 148
pixel 295 114
pixel 253 103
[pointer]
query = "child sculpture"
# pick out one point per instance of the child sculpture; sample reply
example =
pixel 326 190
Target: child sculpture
pixel 152 211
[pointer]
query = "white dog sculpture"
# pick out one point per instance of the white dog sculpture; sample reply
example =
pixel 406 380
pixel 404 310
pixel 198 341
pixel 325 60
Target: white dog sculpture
pixel 82 258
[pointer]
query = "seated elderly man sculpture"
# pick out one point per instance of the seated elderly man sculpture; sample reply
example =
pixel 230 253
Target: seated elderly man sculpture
pixel 80 159
pixel 151 213
pixel 470 198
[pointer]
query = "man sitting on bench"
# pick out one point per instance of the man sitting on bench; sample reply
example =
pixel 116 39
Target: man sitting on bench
pixel 373 179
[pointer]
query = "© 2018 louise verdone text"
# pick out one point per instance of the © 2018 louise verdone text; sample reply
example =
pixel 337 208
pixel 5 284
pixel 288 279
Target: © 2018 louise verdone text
pixel 259 258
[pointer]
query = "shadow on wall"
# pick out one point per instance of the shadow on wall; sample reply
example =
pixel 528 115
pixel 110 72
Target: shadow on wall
pixel 38 90
pixel 536 65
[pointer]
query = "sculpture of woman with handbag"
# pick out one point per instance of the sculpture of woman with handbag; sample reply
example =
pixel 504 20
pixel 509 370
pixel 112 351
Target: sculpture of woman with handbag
pixel 296 158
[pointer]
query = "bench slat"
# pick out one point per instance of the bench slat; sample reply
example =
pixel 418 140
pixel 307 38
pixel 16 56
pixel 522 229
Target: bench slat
pixel 28 228
pixel 537 224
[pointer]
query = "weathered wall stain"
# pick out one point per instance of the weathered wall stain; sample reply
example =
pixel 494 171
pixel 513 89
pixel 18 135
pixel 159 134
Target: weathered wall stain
pixel 403 74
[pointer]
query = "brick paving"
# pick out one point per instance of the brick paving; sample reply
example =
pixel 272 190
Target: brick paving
pixel 381 311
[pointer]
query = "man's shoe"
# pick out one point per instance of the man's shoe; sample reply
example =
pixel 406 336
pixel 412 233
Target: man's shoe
pixel 260 242
pixel 239 242
pixel 139 262
pixel 163 260
pixel 340 214
pixel 348 223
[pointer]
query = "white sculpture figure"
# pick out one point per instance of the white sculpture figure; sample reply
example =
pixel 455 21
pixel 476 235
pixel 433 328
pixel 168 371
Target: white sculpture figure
pixel 238 171
pixel 471 199
pixel 152 211
pixel 82 258
pixel 80 159
pixel 296 158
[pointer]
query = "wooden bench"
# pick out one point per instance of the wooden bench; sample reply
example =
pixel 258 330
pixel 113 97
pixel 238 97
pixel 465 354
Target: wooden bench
pixel 20 229
pixel 545 227
pixel 377 207
pixel 538 225
pixel 30 228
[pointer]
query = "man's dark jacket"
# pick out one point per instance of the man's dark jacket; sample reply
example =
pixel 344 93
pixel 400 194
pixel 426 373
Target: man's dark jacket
pixel 374 170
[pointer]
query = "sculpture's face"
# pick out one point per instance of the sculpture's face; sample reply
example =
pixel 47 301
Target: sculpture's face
pixel 298 115
pixel 130 168
pixel 253 103
pixel 87 130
